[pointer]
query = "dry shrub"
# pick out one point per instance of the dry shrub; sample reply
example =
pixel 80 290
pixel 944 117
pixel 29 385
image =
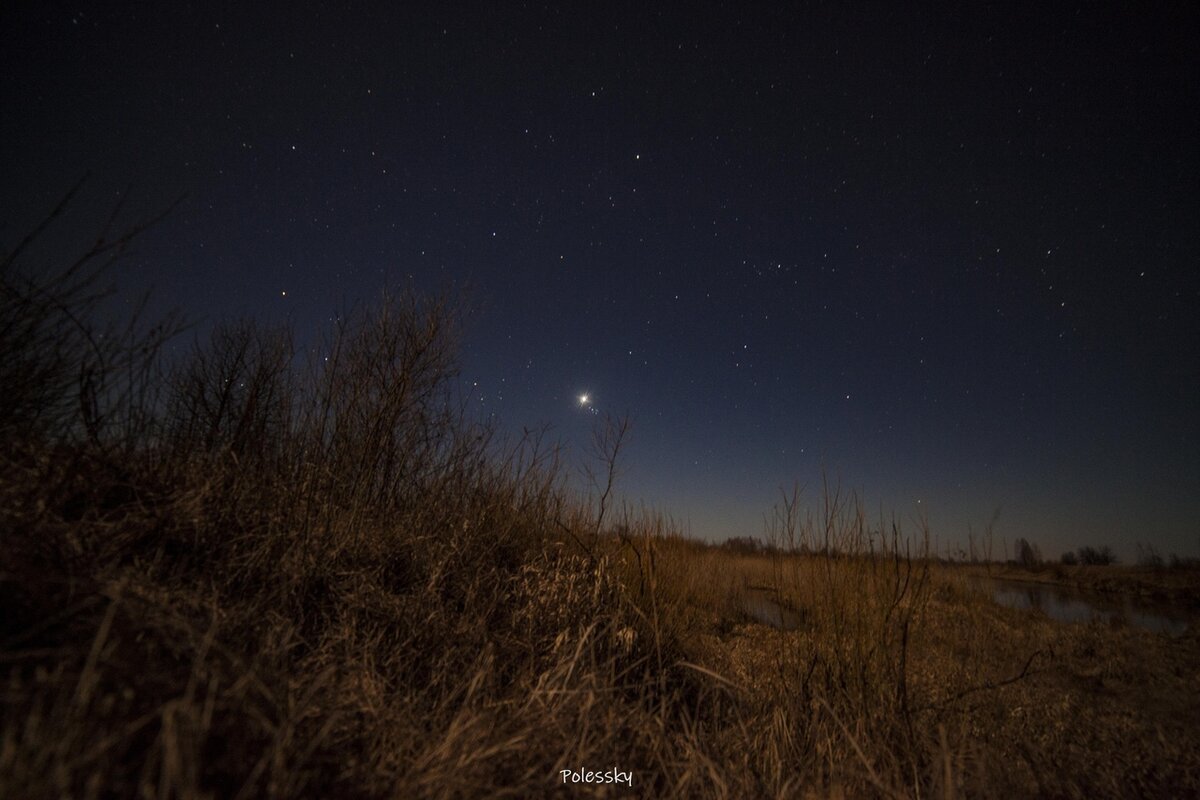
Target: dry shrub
pixel 290 577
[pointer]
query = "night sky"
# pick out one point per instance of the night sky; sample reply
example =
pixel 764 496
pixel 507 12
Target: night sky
pixel 948 255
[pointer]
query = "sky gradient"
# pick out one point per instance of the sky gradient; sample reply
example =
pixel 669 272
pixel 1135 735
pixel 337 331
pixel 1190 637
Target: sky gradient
pixel 948 256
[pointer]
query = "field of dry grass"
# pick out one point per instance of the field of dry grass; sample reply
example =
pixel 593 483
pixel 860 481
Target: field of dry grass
pixel 244 574
pixel 1000 702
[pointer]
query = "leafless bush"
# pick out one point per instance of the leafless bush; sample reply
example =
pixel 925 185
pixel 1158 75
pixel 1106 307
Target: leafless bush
pixel 1097 556
pixel 1028 554
pixel 65 375
pixel 1148 556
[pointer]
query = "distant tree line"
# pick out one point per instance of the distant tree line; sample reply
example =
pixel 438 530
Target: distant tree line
pixel 1148 556
pixel 1090 556
pixel 1027 554
pixel 749 546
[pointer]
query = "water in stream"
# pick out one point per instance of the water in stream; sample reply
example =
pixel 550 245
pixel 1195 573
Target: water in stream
pixel 763 608
pixel 1057 602
pixel 1065 605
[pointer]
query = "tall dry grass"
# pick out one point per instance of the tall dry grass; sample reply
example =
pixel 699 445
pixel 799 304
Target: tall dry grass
pixel 241 574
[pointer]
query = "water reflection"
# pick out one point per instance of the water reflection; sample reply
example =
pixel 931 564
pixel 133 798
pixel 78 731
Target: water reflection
pixel 764 609
pixel 1066 605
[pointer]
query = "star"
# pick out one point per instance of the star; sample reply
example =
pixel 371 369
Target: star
pixel 584 399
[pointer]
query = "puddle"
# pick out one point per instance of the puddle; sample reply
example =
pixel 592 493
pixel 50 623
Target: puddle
pixel 1066 605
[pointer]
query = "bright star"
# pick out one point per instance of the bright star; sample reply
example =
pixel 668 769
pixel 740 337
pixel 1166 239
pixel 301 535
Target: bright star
pixel 584 399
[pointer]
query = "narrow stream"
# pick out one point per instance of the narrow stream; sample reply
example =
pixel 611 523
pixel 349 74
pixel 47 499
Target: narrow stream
pixel 1056 602
pixel 1067 605
pixel 760 606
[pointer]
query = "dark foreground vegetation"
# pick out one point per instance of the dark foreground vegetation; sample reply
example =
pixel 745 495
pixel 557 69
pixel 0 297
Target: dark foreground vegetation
pixel 251 572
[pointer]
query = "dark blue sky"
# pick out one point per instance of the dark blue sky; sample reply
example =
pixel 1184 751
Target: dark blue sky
pixel 948 254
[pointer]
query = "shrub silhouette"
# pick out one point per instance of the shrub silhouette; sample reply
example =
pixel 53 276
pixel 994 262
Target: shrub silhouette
pixel 1097 556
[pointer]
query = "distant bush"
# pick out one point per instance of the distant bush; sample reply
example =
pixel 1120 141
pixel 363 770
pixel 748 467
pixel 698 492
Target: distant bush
pixel 1097 557
pixel 1069 559
pixel 1148 556
pixel 744 545
pixel 1175 562
pixel 1028 554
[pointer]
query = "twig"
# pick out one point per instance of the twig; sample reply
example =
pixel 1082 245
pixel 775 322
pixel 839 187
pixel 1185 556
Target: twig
pixel 989 685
